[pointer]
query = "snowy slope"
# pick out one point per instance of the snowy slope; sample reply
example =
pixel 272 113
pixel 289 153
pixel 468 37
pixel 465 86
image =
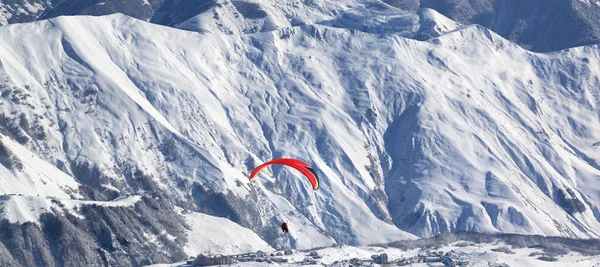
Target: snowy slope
pixel 229 17
pixel 536 25
pixel 22 172
pixel 433 24
pixel 476 255
pixel 133 137
pixel 234 17
pixel 22 209
pixel 540 26
pixel 372 16
pixel 32 10
pixel 21 11
pixel 220 236
pixel 463 132
pixel 473 255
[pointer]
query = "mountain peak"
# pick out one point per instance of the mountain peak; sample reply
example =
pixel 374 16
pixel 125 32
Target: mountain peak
pixel 462 132
pixel 433 24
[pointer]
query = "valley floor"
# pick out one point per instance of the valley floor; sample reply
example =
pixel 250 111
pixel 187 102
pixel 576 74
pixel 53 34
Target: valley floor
pixel 461 253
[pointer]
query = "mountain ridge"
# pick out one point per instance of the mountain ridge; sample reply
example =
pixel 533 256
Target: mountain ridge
pixel 526 23
pixel 382 117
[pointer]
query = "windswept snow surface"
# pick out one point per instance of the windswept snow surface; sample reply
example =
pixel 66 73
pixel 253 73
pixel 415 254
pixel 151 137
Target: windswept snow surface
pixel 235 17
pixel 220 236
pixel 433 24
pixel 22 209
pixel 474 255
pixel 540 26
pixel 372 16
pixel 228 16
pixel 31 176
pixel 463 132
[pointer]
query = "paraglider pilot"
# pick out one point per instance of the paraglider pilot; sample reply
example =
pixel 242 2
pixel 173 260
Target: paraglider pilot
pixel 284 228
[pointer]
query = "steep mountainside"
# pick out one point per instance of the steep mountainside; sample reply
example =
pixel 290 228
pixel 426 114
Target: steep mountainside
pixel 226 16
pixel 466 131
pixel 541 26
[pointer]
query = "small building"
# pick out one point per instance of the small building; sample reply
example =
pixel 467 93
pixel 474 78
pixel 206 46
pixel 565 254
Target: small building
pixel 246 259
pixel 288 252
pixel 248 255
pixel 462 263
pixel 315 255
pixel 279 260
pixel 208 260
pixel 309 261
pixel 404 261
pixel 433 259
pixel 448 262
pixel 261 254
pixel 357 262
pixel 380 259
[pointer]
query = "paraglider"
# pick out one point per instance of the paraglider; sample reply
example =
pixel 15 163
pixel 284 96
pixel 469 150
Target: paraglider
pixel 284 228
pixel 301 166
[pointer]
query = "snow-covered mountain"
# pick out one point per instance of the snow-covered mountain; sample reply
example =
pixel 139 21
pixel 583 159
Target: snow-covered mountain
pixel 229 17
pixel 540 26
pixel 465 131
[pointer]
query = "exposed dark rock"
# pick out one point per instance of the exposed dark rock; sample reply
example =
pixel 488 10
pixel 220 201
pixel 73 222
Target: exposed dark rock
pixel 8 160
pixel 569 203
pixel 26 244
pixel 114 236
pixel 10 127
pixel 249 10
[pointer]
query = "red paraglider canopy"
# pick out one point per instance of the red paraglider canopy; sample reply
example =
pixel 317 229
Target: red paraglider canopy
pixel 301 166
